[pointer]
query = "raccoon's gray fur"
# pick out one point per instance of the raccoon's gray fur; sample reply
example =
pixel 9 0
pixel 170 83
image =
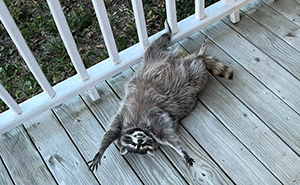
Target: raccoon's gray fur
pixel 162 92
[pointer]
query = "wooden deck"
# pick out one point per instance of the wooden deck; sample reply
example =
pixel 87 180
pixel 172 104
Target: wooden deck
pixel 242 131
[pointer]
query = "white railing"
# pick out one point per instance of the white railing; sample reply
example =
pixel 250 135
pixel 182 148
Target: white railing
pixel 86 79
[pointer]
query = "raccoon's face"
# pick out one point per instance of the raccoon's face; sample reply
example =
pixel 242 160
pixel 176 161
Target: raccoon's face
pixel 137 141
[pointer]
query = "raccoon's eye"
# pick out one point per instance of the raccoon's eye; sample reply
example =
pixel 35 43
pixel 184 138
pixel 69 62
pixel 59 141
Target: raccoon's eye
pixel 133 144
pixel 127 139
pixel 139 135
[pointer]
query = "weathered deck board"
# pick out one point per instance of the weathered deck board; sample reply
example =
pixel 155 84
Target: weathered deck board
pixel 251 131
pixel 4 175
pixel 204 171
pixel 270 44
pixel 242 131
pixel 229 153
pixel 57 150
pixel 277 49
pixel 254 172
pixel 269 73
pixel 86 133
pixel 254 94
pixel 282 27
pixel 288 8
pixel 22 159
pixel 151 169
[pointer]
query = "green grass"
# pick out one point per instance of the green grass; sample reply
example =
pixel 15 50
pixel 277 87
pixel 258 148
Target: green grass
pixel 39 30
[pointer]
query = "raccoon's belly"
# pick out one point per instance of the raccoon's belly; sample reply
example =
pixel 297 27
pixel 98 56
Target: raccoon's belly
pixel 180 105
pixel 178 87
pixel 173 77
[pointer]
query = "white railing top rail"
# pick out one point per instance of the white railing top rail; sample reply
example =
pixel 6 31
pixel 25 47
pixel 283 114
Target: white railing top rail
pixel 86 79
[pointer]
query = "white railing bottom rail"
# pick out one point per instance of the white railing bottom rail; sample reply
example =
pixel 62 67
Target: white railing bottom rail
pixel 86 79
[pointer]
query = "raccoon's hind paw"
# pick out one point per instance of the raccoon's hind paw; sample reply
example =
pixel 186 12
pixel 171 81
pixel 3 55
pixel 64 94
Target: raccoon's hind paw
pixel 93 164
pixel 190 161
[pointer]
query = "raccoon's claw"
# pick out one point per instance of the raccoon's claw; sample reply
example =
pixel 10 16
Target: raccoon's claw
pixel 190 161
pixel 93 164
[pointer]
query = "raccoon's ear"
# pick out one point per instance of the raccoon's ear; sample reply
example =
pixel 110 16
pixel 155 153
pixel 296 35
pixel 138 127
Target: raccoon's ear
pixel 151 152
pixel 123 151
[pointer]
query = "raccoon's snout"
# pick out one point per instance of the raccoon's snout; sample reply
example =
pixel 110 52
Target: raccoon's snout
pixel 139 135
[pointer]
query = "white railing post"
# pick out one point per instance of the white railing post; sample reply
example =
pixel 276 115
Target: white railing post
pixel 93 93
pixel 235 16
pixel 9 101
pixel 171 15
pixel 23 48
pixel 67 37
pixel 105 27
pixel 139 16
pixel 200 9
pixel 69 42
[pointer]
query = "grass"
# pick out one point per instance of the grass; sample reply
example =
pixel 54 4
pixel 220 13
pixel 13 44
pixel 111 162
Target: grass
pixel 39 30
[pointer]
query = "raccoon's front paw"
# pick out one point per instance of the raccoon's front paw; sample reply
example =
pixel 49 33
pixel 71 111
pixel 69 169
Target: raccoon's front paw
pixel 93 164
pixel 190 161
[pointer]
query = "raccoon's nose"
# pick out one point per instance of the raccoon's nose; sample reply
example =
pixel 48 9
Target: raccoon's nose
pixel 139 141
pixel 139 135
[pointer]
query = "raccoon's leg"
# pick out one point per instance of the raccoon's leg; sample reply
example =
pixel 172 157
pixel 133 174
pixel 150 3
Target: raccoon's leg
pixel 203 48
pixel 112 134
pixel 157 47
pixel 217 68
pixel 213 65
pixel 175 144
pixel 171 139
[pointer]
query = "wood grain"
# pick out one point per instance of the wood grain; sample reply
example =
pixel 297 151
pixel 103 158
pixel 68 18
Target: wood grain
pixel 252 132
pixel 264 68
pixel 4 175
pixel 269 43
pixel 57 150
pixel 255 135
pixel 204 171
pixel 279 51
pixel 86 133
pixel 22 159
pixel 270 74
pixel 288 8
pixel 273 111
pixel 152 170
pixel 231 155
pixel 284 28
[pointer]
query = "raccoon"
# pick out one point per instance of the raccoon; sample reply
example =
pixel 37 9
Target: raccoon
pixel 162 92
